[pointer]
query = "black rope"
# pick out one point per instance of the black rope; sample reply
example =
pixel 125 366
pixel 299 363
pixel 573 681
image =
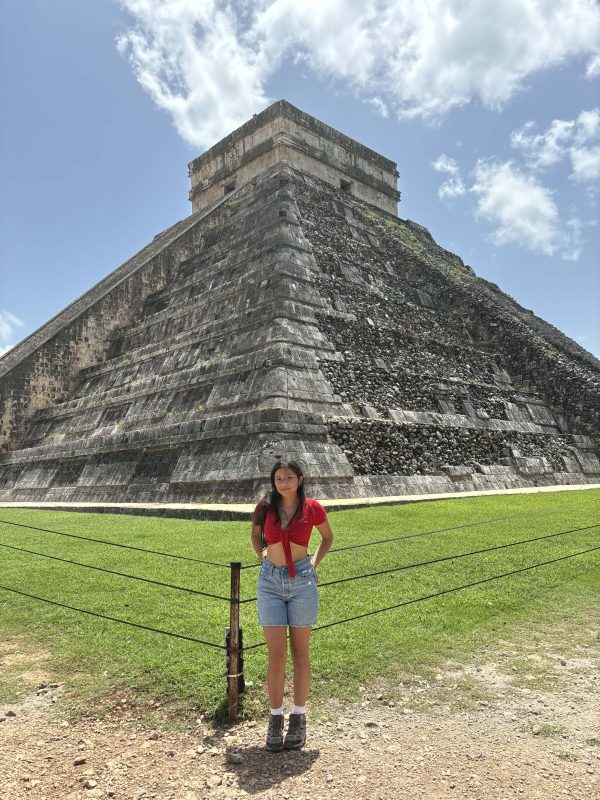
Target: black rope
pixel 443 558
pixel 410 536
pixel 120 574
pixel 458 555
pixel 439 594
pixel 113 619
pixel 116 544
pixel 255 566
pixel 457 588
pixel 490 521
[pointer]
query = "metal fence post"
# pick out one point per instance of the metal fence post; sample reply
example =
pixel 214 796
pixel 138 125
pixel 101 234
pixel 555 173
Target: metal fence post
pixel 233 649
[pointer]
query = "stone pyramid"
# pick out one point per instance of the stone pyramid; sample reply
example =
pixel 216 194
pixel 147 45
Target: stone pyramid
pixel 293 313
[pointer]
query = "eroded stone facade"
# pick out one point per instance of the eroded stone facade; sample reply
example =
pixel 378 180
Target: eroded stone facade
pixel 284 135
pixel 291 317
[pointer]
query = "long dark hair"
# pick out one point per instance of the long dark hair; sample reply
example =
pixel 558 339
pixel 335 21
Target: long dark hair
pixel 272 500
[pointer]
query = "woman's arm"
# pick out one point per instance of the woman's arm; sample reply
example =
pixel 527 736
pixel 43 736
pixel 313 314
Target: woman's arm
pixel 326 542
pixel 256 542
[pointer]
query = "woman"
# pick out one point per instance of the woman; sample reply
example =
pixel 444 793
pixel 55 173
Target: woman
pixel 287 592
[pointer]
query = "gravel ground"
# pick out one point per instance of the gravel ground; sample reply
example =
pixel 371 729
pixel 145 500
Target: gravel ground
pixel 519 722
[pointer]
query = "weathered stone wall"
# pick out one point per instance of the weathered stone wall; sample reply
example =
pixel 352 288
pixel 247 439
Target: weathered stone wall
pixel 442 371
pixel 42 369
pixel 214 375
pixel 292 319
pixel 282 134
pixel 383 447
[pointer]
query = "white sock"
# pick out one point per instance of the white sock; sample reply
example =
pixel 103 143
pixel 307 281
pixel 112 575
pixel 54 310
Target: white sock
pixel 277 711
pixel 299 709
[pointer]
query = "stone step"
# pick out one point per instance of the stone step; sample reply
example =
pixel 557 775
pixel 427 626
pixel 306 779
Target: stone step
pixel 231 387
pixel 239 331
pixel 169 435
pixel 183 296
pixel 463 421
pixel 149 377
pixel 128 417
pixel 238 308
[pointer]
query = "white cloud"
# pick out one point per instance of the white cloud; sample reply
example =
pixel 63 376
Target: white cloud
pixel 563 139
pixel 8 325
pixel 379 106
pixel 588 126
pixel 585 159
pixel 192 58
pixel 593 67
pixel 544 149
pixel 453 186
pixel 446 164
pixel 511 196
pixel 523 211
pixel 208 63
pixel 586 163
pixel 571 240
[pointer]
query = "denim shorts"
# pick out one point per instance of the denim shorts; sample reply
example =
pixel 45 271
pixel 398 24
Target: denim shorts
pixel 283 600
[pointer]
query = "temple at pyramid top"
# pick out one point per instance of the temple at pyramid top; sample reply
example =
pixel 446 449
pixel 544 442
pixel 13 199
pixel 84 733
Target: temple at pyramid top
pixel 282 134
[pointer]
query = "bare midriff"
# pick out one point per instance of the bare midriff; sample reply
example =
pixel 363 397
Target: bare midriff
pixel 276 554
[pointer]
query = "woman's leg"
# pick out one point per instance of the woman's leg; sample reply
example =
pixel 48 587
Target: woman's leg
pixel 299 644
pixel 276 639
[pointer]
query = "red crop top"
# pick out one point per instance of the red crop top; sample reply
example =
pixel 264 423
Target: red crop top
pixel 298 531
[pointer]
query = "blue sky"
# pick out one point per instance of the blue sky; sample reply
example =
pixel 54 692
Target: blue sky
pixel 490 108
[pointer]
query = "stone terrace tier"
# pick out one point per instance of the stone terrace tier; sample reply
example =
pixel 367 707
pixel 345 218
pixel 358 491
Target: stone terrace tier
pixel 217 375
pixel 446 376
pixel 293 319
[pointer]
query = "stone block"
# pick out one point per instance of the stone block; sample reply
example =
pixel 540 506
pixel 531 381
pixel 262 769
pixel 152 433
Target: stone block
pixel 370 412
pixel 517 412
pixel 533 466
pixel 36 476
pixel 590 464
pixel 541 415
pixel 457 473
pixel 102 471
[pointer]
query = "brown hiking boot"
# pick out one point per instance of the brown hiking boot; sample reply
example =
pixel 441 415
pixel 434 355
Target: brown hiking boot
pixel 296 732
pixel 275 733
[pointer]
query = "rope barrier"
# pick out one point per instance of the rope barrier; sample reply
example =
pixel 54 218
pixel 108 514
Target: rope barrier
pixel 233 646
pixel 443 558
pixel 120 574
pixel 458 588
pixel 489 521
pixel 113 619
pixel 439 594
pixel 116 544
pixel 458 555
pixel 321 585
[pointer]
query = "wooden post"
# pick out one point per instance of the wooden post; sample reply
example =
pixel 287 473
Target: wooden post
pixel 233 671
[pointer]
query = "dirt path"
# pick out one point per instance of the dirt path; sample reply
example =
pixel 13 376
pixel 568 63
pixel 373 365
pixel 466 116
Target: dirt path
pixel 518 722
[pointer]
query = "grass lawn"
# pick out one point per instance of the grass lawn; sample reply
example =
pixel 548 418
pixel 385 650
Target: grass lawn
pixel 97 657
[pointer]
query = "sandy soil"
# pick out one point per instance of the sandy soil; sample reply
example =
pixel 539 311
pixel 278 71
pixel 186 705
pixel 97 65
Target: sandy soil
pixel 516 722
